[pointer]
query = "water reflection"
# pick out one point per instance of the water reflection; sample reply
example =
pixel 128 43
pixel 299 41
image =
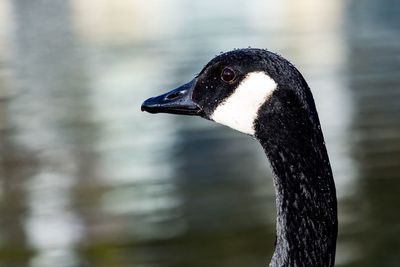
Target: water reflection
pixel 47 115
pixel 87 179
pixel 374 84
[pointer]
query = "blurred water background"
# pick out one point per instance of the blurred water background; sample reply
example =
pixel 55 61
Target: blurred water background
pixel 86 179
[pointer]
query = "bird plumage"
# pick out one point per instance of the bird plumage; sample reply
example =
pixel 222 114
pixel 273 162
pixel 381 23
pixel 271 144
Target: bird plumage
pixel 263 95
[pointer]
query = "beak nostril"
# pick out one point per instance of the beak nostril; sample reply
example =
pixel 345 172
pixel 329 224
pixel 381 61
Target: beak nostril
pixel 174 95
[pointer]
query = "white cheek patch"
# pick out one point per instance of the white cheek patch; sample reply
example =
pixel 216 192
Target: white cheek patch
pixel 240 109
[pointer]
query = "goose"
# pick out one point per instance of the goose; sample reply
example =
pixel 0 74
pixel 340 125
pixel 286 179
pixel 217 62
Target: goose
pixel 263 95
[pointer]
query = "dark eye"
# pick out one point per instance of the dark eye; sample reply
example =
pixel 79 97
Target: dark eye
pixel 228 75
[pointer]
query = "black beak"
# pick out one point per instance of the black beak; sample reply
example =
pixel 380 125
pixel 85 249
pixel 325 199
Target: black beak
pixel 177 101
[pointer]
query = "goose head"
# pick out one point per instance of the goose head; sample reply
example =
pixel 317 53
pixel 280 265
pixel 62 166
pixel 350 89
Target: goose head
pixel 232 89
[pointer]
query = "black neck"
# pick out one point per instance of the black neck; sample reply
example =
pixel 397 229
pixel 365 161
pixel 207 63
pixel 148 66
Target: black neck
pixel 291 136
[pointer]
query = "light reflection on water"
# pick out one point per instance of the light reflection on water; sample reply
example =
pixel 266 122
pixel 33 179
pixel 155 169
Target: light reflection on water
pixel 89 180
